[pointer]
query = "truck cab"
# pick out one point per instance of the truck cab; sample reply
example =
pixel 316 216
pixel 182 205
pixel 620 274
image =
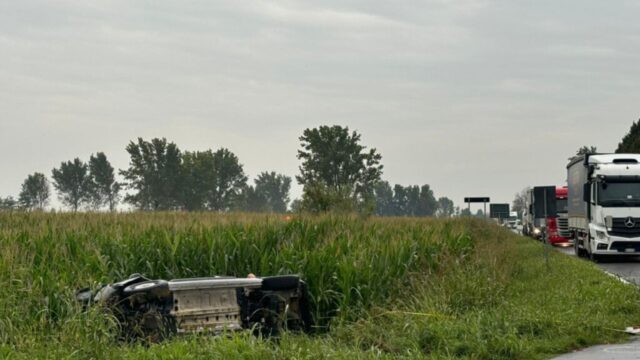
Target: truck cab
pixel 558 226
pixel 604 204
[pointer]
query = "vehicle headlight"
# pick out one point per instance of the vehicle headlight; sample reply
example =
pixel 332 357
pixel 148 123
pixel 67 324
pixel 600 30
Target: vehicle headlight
pixel 601 234
pixel 536 231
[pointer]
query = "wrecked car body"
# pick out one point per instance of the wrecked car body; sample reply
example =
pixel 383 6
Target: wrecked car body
pixel 155 309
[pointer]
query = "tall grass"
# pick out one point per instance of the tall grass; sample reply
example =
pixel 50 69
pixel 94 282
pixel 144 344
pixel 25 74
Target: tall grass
pixel 350 264
pixel 379 287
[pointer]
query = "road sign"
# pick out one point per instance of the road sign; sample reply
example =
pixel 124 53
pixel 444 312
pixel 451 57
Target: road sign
pixel 499 211
pixel 477 200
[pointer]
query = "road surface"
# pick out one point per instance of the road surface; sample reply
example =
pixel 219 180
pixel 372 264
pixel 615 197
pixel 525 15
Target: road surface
pixel 629 270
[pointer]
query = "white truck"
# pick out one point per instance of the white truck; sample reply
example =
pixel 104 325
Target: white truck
pixel 604 204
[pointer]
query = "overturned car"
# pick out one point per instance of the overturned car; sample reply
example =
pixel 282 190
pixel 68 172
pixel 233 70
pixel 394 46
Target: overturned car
pixel 155 309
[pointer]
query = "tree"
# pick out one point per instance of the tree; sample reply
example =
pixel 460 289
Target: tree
pixel 8 203
pixel 465 212
pixel 445 207
pixel 105 188
pixel 35 192
pixel 318 197
pixel 296 206
pixel 228 181
pixel 154 174
pixel 334 165
pixel 479 213
pixel 73 183
pixel 428 203
pixel 198 179
pixel 519 201
pixel 384 198
pixel 274 189
pixel 252 201
pixel 414 206
pixel 587 150
pixel 584 150
pixel 631 142
pixel 400 201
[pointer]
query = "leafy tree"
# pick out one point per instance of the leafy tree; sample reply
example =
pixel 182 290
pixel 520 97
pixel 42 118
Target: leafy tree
pixel 400 201
pixel 105 188
pixel 428 203
pixel 519 201
pixel 465 212
pixel 445 207
pixel 198 179
pixel 73 183
pixel 274 189
pixel 479 213
pixel 35 192
pixel 587 150
pixel 8 203
pixel 296 206
pixel 229 180
pixel 584 150
pixel 631 142
pixel 411 200
pixel 318 197
pixel 336 167
pixel 414 206
pixel 214 181
pixel 384 198
pixel 252 201
pixel 154 174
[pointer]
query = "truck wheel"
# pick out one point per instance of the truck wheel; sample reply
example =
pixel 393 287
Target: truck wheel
pixel 576 248
pixel 593 257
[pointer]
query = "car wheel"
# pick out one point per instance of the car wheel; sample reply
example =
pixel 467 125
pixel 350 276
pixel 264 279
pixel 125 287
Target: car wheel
pixel 286 282
pixel 156 288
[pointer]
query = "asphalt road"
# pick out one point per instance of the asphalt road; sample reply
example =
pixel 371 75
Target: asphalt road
pixel 627 268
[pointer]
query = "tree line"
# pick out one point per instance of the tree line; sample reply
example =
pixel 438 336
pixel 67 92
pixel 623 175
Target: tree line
pixel 337 173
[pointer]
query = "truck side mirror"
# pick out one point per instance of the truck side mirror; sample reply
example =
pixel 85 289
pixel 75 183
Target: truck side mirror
pixel 586 193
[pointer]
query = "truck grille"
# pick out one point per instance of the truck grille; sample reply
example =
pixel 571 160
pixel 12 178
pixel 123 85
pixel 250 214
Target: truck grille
pixel 563 227
pixel 621 229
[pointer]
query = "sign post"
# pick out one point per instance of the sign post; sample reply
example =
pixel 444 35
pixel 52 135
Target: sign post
pixel 483 200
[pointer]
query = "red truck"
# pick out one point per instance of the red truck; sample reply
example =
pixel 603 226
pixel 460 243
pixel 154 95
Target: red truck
pixel 558 227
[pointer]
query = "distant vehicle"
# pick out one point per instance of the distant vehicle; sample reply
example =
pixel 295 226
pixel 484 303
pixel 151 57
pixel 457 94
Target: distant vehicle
pixel 540 223
pixel 512 222
pixel 604 204
pixel 533 222
pixel 558 226
pixel 155 309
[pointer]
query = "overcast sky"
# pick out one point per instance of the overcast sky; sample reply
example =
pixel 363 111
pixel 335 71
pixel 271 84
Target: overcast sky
pixel 473 97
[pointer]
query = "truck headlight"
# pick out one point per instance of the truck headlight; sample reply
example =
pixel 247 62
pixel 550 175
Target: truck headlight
pixel 536 231
pixel 601 234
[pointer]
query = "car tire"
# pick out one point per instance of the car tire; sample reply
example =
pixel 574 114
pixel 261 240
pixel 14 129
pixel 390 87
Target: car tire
pixel 286 282
pixel 155 288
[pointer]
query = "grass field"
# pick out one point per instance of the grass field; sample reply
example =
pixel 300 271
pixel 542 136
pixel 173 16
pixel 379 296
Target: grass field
pixel 381 288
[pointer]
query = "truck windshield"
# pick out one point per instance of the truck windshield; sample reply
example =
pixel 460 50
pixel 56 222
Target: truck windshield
pixel 561 205
pixel 619 194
